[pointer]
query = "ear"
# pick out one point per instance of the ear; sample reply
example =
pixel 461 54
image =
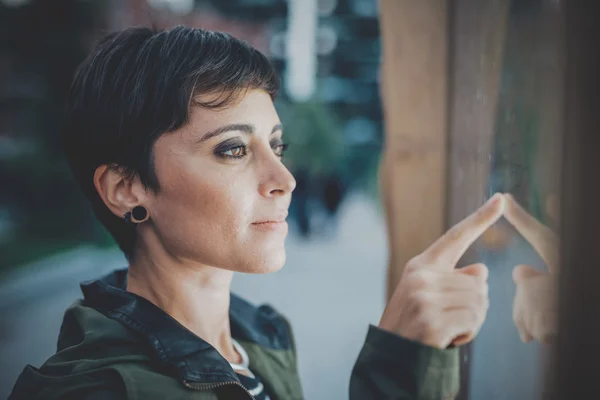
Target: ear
pixel 119 193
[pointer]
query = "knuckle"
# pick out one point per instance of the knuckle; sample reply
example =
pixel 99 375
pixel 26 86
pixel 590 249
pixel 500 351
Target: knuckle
pixel 479 317
pixel 420 302
pixel 415 262
pixel 428 326
pixel 455 233
pixel 474 320
pixel 483 299
pixel 420 278
pixel 479 297
pixel 473 315
pixel 516 316
pixel 481 214
pixel 517 321
pixel 484 286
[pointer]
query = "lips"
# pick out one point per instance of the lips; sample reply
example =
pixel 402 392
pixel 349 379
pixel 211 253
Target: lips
pixel 275 219
pixel 273 223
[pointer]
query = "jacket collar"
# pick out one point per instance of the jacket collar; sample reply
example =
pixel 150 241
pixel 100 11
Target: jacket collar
pixel 173 345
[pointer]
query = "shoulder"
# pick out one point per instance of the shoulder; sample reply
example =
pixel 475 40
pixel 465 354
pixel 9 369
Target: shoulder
pixel 127 381
pixel 263 325
pixel 45 383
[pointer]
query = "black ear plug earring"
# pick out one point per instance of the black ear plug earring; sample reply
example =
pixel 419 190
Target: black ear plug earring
pixel 136 216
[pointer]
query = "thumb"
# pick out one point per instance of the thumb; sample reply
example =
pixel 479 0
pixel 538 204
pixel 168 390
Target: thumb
pixel 525 271
pixel 477 270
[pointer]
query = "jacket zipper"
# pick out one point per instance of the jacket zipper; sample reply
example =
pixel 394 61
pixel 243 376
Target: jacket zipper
pixel 210 386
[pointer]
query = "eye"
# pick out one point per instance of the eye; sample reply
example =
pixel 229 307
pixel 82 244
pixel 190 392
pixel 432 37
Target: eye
pixel 279 149
pixel 235 152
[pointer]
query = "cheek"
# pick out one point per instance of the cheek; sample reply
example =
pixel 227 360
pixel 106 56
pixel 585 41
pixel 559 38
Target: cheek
pixel 209 201
pixel 204 212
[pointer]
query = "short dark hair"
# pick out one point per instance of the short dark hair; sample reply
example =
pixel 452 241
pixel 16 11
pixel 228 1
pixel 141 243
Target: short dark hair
pixel 139 84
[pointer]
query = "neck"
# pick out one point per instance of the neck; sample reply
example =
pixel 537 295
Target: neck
pixel 196 295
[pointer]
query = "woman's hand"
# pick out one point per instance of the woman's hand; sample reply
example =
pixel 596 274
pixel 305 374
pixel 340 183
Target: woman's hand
pixel 534 307
pixel 436 304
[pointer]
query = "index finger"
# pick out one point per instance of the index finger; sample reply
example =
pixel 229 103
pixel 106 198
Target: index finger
pixel 452 245
pixel 542 239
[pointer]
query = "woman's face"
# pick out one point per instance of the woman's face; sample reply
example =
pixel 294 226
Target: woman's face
pixel 224 192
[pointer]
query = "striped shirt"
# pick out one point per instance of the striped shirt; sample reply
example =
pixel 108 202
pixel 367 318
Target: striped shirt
pixel 254 386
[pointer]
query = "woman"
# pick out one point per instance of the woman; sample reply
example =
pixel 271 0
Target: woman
pixel 174 139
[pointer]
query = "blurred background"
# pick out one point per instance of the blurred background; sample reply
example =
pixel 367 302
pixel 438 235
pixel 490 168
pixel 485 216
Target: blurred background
pixel 330 104
pixel 328 54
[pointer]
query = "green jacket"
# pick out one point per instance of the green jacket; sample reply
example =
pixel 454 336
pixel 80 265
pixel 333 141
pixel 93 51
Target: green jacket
pixel 116 345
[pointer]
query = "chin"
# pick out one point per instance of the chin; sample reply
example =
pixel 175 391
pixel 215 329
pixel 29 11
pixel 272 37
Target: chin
pixel 266 263
pixel 272 264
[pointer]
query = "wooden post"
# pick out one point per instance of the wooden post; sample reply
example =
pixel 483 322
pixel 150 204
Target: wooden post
pixel 414 94
pixel 477 34
pixel 435 166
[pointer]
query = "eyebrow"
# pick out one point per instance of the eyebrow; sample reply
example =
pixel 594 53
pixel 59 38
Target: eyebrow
pixel 245 128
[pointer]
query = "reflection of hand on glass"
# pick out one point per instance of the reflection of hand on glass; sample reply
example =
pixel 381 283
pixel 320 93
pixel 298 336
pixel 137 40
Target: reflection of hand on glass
pixel 534 308
pixel 436 304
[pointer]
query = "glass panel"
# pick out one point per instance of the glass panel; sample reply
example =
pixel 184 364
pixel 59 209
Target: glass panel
pixel 507 118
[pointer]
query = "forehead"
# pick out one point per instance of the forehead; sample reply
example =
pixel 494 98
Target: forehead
pixel 253 107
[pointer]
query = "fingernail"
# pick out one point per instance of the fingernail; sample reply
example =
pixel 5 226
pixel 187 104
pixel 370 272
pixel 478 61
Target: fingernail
pixel 523 338
pixel 495 199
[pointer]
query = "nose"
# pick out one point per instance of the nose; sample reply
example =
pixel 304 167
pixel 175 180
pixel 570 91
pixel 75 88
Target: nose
pixel 278 180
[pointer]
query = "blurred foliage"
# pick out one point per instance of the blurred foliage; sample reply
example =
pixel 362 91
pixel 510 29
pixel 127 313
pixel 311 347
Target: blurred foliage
pixel 314 133
pixel 326 164
pixel 318 146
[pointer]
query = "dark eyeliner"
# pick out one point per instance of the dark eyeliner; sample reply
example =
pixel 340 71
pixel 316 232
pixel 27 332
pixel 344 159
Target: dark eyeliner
pixel 227 145
pixel 277 144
